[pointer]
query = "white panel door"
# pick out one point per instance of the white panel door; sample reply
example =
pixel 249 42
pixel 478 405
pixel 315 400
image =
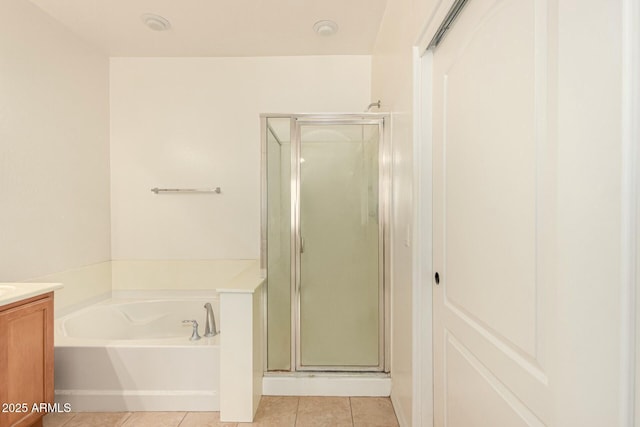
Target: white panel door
pixel 492 204
pixel 532 189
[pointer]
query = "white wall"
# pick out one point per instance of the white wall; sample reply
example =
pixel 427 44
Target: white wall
pixel 54 147
pixel 128 275
pixel 392 83
pixel 194 122
pixel 592 226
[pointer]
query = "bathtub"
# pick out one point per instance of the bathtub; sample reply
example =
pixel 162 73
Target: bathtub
pixel 135 355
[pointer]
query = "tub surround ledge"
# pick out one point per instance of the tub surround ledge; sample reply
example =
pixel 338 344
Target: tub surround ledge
pixel 248 281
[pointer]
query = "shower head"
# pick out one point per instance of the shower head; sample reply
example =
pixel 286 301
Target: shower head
pixel 373 104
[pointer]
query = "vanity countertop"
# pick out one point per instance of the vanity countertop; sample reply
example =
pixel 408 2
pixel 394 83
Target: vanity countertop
pixel 12 292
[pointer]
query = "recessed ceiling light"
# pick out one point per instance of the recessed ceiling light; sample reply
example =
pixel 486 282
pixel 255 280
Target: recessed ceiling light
pixel 325 28
pixel 155 22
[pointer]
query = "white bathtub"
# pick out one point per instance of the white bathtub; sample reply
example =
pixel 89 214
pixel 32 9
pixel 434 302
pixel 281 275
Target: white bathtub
pixel 135 355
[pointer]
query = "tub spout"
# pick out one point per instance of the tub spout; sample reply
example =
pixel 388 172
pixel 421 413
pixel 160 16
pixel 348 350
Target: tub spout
pixel 210 325
pixel 194 335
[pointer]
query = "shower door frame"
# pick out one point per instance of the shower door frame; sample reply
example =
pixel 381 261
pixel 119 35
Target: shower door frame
pixel 382 120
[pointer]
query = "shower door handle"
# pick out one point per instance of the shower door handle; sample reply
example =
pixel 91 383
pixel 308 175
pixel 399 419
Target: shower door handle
pixel 301 244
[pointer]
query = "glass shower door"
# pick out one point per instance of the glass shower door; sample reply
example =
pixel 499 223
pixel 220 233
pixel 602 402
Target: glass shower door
pixel 339 247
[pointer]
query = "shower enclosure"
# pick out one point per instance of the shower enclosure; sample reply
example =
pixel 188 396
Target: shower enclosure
pixel 325 202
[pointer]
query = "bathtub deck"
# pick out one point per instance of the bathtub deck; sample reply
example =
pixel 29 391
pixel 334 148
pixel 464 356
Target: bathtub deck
pixel 273 410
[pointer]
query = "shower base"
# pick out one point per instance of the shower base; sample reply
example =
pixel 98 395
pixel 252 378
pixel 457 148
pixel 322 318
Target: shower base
pixel 326 384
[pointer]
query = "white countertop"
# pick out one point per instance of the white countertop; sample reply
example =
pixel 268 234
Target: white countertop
pixel 12 292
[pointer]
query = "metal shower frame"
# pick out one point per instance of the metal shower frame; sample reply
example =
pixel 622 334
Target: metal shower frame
pixel 382 120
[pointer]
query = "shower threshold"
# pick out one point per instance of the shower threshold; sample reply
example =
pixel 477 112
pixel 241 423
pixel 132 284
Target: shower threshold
pixel 307 383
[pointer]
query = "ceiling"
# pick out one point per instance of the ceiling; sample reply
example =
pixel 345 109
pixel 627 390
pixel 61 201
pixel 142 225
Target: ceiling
pixel 221 27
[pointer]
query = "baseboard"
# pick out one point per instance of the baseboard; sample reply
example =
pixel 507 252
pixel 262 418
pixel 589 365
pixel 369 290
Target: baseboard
pixel 402 419
pixel 339 385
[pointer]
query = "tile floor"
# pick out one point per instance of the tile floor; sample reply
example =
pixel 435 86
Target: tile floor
pixel 275 411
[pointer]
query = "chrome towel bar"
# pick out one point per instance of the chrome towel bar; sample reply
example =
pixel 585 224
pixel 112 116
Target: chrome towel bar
pixel 216 190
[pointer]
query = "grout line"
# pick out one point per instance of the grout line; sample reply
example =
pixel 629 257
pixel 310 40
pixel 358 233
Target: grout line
pixel 124 421
pixel 183 417
pixel 353 423
pixel 295 419
pixel 66 422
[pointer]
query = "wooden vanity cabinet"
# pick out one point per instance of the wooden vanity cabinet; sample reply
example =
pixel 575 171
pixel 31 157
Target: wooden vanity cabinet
pixel 26 360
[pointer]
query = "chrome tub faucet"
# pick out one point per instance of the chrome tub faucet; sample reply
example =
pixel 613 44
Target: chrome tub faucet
pixel 210 325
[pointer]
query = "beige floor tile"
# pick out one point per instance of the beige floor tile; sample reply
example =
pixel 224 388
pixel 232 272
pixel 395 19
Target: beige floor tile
pixel 154 419
pixel 57 419
pixel 275 411
pixel 204 419
pixel 98 419
pixel 373 411
pixel 324 411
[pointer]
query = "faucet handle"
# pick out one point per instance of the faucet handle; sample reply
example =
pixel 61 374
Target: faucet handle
pixel 194 336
